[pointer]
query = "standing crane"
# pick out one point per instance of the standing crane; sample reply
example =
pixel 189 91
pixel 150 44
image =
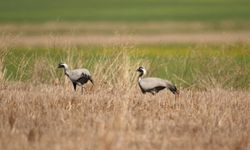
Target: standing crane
pixel 77 76
pixel 153 85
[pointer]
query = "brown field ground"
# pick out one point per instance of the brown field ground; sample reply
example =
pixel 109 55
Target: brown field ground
pixel 54 117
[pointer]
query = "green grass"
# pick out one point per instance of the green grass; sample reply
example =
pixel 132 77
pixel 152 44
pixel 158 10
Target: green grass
pixel 129 10
pixel 189 66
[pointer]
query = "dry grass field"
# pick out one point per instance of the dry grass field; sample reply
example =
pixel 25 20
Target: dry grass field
pixel 114 114
pixel 54 117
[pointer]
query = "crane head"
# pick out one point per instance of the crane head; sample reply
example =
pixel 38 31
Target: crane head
pixel 142 70
pixel 62 65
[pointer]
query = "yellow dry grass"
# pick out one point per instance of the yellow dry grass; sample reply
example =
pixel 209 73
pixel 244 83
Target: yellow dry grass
pixel 55 117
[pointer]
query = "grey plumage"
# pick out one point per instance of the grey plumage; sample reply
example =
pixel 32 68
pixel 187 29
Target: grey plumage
pixel 154 85
pixel 77 76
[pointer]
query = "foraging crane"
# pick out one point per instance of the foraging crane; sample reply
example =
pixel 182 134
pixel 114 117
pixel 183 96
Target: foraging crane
pixel 154 85
pixel 77 76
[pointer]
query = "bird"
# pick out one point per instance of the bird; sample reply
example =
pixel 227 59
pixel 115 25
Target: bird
pixel 153 85
pixel 77 76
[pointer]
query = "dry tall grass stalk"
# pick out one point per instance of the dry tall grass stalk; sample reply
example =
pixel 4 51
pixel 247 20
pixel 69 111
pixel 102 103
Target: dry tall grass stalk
pixel 3 53
pixel 118 70
pixel 44 71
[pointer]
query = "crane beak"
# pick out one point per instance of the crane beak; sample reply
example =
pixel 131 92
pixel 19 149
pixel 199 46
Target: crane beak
pixel 60 66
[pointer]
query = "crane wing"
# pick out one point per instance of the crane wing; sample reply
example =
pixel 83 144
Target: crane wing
pixel 79 74
pixel 157 84
pixel 151 83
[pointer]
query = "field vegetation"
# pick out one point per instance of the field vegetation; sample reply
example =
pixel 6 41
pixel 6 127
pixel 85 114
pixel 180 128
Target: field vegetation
pixel 45 113
pixel 189 66
pixel 201 46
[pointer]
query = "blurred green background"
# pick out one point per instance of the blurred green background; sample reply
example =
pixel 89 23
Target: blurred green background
pixel 123 10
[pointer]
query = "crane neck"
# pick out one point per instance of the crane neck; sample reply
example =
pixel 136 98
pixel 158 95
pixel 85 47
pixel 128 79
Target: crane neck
pixel 66 71
pixel 140 76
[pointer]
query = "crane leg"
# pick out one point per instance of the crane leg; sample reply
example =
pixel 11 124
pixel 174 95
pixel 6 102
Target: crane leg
pixel 74 85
